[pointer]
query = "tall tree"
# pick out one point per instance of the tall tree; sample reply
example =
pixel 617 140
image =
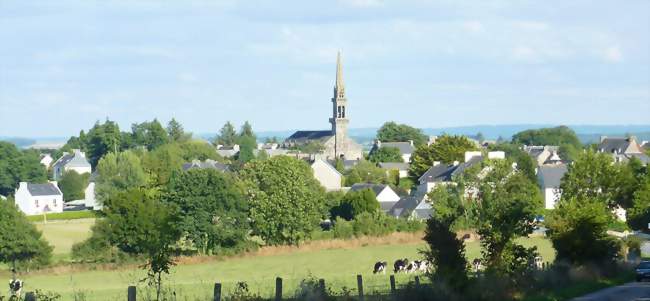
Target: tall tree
pixel 72 185
pixel 18 166
pixel 198 150
pixel 355 203
pixel 102 139
pixel 227 135
pixel 286 202
pixel 118 172
pixel 638 216
pixel 446 149
pixel 592 176
pixel 20 241
pixel 175 131
pixel 213 209
pixel 393 132
pixel 247 130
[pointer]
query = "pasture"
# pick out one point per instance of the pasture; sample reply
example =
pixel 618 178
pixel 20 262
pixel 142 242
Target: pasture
pixel 338 262
pixel 62 234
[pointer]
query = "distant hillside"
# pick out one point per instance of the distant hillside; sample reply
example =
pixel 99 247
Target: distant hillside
pixel 19 142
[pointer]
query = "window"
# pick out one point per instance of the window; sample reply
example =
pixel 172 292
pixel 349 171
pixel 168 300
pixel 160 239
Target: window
pixel 343 110
pixel 36 203
pixel 54 202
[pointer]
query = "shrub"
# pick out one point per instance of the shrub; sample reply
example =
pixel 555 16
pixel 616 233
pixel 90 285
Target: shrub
pixel 343 229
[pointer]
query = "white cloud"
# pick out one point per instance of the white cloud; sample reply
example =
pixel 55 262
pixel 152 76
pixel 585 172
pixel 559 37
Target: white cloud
pixel 613 54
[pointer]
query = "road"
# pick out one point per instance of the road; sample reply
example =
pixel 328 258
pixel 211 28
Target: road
pixel 627 292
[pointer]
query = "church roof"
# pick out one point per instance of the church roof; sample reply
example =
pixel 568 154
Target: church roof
pixel 305 136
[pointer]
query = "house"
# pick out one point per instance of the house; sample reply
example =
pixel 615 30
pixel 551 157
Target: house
pixel 71 161
pixel 328 177
pixel 33 199
pixel 207 164
pixel 347 164
pixel 228 151
pixel 386 197
pixel 271 149
pixel 402 168
pixel 405 148
pixel 546 154
pixel 549 178
pixel 336 142
pixel 412 207
pixel 623 149
pixel 46 160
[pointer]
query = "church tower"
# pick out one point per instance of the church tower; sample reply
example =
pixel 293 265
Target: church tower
pixel 339 118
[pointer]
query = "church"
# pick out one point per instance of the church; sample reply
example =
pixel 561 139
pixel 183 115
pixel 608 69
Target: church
pixel 336 142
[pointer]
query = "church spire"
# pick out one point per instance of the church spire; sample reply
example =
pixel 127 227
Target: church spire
pixel 339 88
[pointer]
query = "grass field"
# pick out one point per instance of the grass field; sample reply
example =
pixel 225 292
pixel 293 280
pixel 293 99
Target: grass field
pixel 338 262
pixel 62 234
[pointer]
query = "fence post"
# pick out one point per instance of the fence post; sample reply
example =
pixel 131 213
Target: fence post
pixel 132 293
pixel 321 285
pixel 217 292
pixel 360 286
pixel 278 289
pixel 392 284
pixel 417 281
pixel 30 296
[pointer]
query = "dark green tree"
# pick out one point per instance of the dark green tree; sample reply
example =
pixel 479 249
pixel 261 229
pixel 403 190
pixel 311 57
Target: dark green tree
pixel 365 172
pixel 102 139
pixel 286 202
pixel 198 150
pixel 524 161
pixel 593 176
pixel 227 135
pixel 20 241
pixel 118 172
pixel 386 154
pixel 18 166
pixel 213 209
pixel 446 149
pixel 393 132
pixel 176 133
pixel 548 136
pixel 638 216
pixel 73 185
pixel 355 203
pixel 247 146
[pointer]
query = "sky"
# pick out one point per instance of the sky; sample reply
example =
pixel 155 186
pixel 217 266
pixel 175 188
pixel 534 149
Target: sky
pixel 66 64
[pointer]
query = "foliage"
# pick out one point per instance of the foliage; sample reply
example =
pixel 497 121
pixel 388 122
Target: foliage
pixel 18 166
pixel 365 172
pixel 98 247
pixel 141 225
pixel 578 230
pixel 547 136
pixel 100 140
pixel 212 209
pixel 73 185
pixel 286 202
pixel 386 154
pixel 446 149
pixel 311 147
pixel 355 203
pixel 247 145
pixel 227 135
pixel 149 134
pixel 161 163
pixel 176 133
pixel 118 172
pixel 198 150
pixel 343 229
pixel 20 241
pixel 638 216
pixel 593 176
pixel 524 161
pixel 393 132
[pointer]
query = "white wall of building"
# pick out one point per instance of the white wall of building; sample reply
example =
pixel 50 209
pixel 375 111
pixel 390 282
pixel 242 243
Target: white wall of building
pixel 388 195
pixel 327 175
pixel 33 205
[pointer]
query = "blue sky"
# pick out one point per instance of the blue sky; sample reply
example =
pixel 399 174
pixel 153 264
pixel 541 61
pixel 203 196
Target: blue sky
pixel 65 64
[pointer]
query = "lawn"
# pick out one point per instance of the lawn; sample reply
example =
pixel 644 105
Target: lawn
pixel 62 234
pixel 337 265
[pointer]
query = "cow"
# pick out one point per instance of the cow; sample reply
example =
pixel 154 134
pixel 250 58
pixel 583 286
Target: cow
pixel 400 265
pixel 380 267
pixel 423 266
pixel 538 262
pixel 477 265
pixel 15 287
pixel 412 267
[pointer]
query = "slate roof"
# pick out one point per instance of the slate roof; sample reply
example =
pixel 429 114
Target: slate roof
pixel 446 172
pixel 551 175
pixel 74 159
pixel 306 136
pixel 43 189
pixel 347 164
pixel 611 145
pixel 207 164
pixel 376 188
pixel 394 165
pixel 642 157
pixel 411 205
pixel 387 206
pixel 403 147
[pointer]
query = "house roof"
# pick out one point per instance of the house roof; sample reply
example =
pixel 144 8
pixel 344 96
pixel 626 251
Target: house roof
pixel 394 165
pixel 611 145
pixel 403 147
pixel 386 206
pixel 642 157
pixel 551 175
pixel 207 164
pixel 376 188
pixel 43 189
pixel 305 136
pixel 405 206
pixel 347 164
pixel 446 172
pixel 75 159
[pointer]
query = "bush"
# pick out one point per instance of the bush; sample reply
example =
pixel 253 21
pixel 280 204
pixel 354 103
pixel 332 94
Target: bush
pixel 66 215
pixel 343 229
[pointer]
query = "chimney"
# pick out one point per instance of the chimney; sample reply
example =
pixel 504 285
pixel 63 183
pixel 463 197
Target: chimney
pixel 456 163
pixel 411 142
pixel 472 154
pixel 235 147
pixel 22 185
pixel 496 155
pixel 436 163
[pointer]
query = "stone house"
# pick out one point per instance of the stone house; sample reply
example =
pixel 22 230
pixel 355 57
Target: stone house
pixel 549 178
pixel 330 178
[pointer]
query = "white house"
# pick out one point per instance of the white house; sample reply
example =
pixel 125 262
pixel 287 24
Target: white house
pixel 402 168
pixel 386 197
pixel 75 161
pixel 543 154
pixel 406 149
pixel 327 175
pixel 33 199
pixel 46 160
pixel 549 178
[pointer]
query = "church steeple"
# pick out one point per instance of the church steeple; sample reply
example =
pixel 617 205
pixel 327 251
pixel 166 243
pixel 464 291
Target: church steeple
pixel 339 118
pixel 339 88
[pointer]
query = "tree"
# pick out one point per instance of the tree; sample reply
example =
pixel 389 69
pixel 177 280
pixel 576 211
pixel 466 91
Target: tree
pixel 20 241
pixel 285 200
pixel 213 209
pixel 578 231
pixel 524 161
pixel 227 135
pixel 247 144
pixel 246 130
pixel 18 166
pixel 198 150
pixel 592 176
pixel 386 154
pixel 365 172
pixel 446 149
pixel 355 203
pixel 73 185
pixel 118 172
pixel 102 139
pixel 446 251
pixel 548 136
pixel 149 134
pixel 479 137
pixel 393 132
pixel 161 163
pixel 638 216
pixel 176 133
pixel 141 225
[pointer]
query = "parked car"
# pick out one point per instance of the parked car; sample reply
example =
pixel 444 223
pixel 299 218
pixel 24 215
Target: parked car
pixel 643 271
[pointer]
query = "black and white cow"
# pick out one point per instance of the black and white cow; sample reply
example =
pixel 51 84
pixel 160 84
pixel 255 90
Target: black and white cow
pixel 477 265
pixel 400 265
pixel 15 287
pixel 380 267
